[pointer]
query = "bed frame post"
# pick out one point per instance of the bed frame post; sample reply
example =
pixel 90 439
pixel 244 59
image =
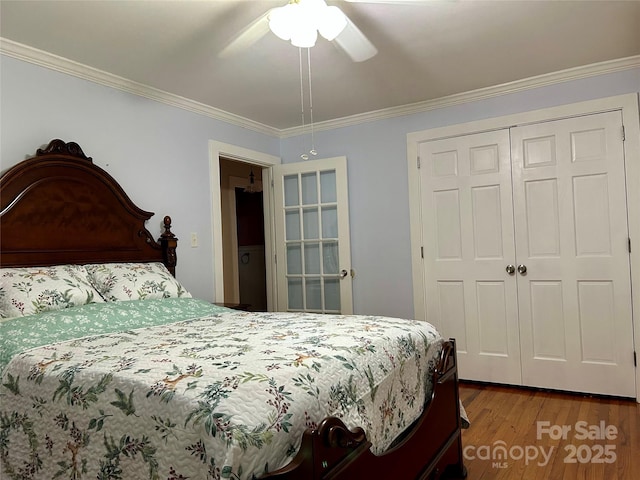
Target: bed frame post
pixel 169 242
pixel 455 464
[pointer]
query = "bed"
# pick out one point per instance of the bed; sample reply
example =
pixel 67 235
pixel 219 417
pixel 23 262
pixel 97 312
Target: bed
pixel 111 370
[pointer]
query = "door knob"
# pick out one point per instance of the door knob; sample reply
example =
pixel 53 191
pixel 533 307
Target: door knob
pixel 343 273
pixel 510 269
pixel 522 269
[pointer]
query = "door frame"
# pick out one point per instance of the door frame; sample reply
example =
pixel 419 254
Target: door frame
pixel 266 161
pixel 627 104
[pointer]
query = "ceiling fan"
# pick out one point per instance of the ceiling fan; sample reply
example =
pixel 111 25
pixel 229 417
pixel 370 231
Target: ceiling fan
pixel 299 21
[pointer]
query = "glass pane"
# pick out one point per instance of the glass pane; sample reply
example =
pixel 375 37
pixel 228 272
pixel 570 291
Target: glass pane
pixel 330 258
pixel 295 293
pixel 332 294
pixel 328 187
pixel 329 222
pixel 294 258
pixel 291 196
pixel 292 224
pixel 312 258
pixel 310 223
pixel 314 294
pixel 309 188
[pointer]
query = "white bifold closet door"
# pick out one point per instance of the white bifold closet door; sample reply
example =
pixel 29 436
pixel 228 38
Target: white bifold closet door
pixel 576 329
pixel 467 218
pixel 526 253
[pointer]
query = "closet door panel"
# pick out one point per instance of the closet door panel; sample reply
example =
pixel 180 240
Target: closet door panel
pixel 543 232
pixel 576 330
pixel 547 310
pixel 468 239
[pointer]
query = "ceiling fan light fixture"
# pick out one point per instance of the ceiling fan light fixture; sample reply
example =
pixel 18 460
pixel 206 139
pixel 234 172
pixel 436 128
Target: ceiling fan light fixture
pixel 304 38
pixel 301 20
pixel 281 19
pixel 303 32
pixel 332 22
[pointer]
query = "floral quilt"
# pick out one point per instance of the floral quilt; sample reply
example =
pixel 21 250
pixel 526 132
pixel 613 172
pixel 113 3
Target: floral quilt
pixel 181 389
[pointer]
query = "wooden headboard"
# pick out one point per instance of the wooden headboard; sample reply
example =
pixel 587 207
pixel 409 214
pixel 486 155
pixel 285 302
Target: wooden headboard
pixel 59 208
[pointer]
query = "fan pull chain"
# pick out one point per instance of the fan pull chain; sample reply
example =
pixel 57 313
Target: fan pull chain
pixel 313 151
pixel 313 148
pixel 304 156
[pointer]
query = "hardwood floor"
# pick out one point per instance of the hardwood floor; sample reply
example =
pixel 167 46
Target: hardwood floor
pixel 549 435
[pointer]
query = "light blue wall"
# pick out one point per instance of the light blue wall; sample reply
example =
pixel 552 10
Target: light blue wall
pixel 136 139
pixel 158 153
pixel 378 185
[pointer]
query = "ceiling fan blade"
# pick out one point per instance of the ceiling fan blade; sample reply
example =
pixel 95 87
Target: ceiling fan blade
pixel 397 2
pixel 355 43
pixel 247 37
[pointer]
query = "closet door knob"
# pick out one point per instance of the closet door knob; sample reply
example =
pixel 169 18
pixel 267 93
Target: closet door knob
pixel 510 269
pixel 522 269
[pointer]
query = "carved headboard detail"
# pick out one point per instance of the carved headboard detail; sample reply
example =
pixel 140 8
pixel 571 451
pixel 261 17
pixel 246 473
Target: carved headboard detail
pixel 60 208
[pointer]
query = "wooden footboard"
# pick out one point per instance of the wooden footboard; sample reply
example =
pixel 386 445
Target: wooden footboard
pixel 430 449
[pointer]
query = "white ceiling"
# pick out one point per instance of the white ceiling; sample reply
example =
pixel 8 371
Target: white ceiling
pixel 427 49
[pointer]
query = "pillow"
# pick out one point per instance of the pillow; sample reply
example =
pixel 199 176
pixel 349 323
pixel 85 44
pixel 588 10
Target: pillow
pixel 134 281
pixel 28 290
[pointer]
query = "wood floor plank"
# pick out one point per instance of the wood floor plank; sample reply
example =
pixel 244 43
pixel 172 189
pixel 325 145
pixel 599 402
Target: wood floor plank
pixel 549 435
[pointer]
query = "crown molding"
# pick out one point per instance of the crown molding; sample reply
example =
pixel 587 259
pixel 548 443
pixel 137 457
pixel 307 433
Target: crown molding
pixel 601 68
pixel 64 65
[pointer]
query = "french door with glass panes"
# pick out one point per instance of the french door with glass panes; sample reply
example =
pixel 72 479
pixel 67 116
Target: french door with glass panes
pixel 313 258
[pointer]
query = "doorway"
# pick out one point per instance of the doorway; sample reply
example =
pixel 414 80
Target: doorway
pixel 243 233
